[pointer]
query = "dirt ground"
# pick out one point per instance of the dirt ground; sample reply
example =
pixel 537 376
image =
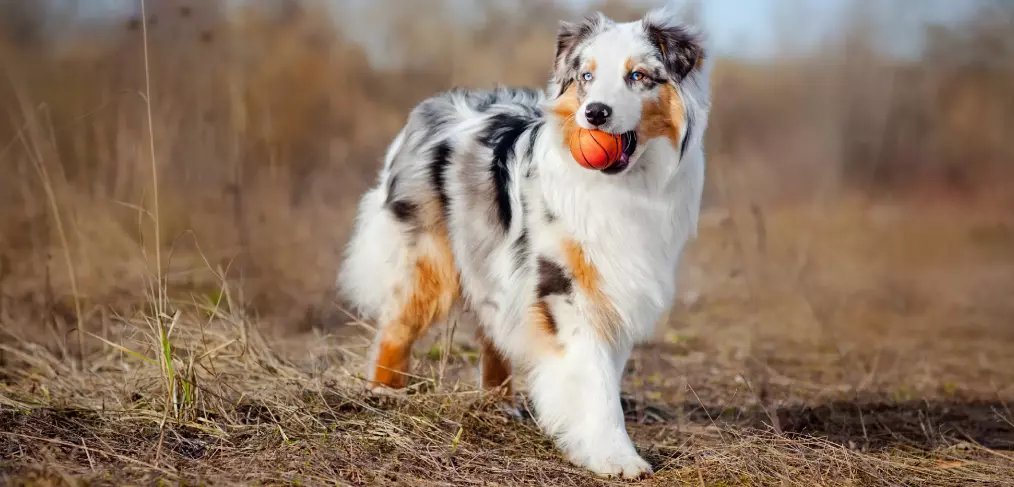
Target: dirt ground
pixel 819 337
pixel 849 344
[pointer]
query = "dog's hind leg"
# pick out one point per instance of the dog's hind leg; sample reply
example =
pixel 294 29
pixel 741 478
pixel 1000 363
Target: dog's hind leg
pixel 429 291
pixel 403 276
pixel 494 368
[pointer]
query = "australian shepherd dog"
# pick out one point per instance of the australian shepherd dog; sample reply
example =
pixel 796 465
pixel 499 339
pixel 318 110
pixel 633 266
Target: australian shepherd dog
pixel 481 204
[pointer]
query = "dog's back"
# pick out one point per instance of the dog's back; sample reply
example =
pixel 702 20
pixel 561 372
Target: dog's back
pixel 446 176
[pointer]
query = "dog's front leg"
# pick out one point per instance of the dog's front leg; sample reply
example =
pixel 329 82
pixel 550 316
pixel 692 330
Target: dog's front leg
pixel 577 400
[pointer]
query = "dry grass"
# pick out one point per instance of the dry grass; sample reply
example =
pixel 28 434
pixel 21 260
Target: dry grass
pixel 749 385
pixel 845 316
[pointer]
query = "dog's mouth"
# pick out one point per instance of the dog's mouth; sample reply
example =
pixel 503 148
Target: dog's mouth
pixel 629 140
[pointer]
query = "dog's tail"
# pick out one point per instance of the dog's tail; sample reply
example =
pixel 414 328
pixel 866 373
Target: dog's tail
pixel 375 244
pixel 394 149
pixel 390 156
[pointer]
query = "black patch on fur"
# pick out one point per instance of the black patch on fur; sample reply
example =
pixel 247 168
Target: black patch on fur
pixel 575 64
pixel 678 49
pixel 520 247
pixel 552 279
pixel 441 158
pixel 686 136
pixel 501 136
pixel 404 211
pixel 565 85
pixel 532 137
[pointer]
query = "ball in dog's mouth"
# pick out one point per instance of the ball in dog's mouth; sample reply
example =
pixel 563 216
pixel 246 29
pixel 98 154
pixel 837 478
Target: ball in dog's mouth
pixel 629 146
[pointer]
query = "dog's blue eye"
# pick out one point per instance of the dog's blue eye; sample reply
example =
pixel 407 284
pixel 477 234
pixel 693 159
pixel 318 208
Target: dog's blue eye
pixel 587 76
pixel 637 76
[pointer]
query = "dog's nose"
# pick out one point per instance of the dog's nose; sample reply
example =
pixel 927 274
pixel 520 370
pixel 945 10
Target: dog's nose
pixel 597 113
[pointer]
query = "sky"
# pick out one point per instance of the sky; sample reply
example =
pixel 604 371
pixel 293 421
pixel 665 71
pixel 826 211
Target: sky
pixel 755 28
pixel 743 28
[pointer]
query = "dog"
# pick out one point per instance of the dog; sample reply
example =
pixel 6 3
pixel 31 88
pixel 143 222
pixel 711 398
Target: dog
pixel 481 204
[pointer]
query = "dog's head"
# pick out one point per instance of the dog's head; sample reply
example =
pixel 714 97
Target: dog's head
pixel 624 77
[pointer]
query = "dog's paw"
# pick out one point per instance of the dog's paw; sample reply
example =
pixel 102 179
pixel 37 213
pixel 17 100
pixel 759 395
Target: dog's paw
pixel 629 466
pixel 384 391
pixel 511 411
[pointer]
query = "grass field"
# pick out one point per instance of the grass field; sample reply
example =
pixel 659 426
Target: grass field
pixel 176 185
pixel 872 347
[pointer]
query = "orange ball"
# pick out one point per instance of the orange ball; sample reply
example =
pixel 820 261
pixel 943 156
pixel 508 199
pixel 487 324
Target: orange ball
pixel 595 149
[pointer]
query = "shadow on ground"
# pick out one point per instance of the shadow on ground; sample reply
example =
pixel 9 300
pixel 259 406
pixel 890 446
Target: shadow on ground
pixel 871 426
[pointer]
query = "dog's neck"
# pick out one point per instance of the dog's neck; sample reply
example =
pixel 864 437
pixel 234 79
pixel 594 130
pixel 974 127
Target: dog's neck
pixel 653 197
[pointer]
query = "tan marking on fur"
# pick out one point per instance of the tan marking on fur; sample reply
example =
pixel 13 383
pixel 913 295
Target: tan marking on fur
pixel 604 318
pixel 628 65
pixel 586 275
pixel 391 365
pixel 435 286
pixel 543 328
pixel 565 109
pixel 494 367
pixel 591 66
pixel 663 117
pixel 542 316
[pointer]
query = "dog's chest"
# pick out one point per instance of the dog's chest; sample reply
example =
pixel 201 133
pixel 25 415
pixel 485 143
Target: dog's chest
pixel 631 243
pixel 636 257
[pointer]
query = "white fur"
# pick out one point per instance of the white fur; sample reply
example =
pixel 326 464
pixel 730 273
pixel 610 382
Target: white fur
pixel 632 227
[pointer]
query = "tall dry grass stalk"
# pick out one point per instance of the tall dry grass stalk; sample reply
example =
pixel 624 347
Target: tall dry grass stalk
pixel 160 291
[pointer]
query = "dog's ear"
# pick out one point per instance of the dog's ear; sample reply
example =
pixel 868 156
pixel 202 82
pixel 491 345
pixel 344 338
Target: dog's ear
pixel 679 48
pixel 569 37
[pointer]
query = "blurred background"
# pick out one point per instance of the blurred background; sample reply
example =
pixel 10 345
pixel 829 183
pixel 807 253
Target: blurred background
pixel 858 151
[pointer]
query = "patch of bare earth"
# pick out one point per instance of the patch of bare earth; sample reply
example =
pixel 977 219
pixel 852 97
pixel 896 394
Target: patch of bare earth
pixel 854 345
